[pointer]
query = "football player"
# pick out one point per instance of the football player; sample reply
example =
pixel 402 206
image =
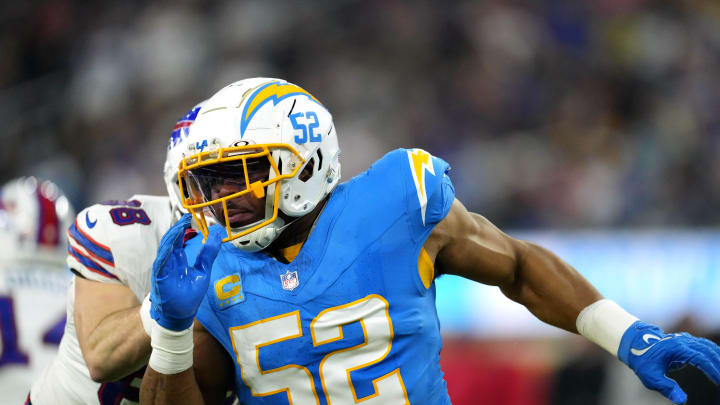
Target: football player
pixel 33 280
pixel 111 248
pixel 324 293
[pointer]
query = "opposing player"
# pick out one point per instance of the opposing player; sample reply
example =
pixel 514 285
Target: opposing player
pixel 33 280
pixel 325 294
pixel 111 248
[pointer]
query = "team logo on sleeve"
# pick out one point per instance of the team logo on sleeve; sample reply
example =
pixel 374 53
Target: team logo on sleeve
pixel 420 161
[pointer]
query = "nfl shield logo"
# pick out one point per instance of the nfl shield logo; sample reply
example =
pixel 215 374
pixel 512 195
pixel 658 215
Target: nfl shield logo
pixel 289 280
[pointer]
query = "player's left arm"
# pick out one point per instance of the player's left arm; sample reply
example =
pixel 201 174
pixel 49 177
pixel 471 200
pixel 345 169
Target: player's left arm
pixel 174 375
pixel 468 245
pixel 205 383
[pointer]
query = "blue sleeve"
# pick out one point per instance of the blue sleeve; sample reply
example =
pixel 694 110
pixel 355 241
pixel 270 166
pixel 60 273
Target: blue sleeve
pixel 429 191
pixel 209 320
pixel 206 314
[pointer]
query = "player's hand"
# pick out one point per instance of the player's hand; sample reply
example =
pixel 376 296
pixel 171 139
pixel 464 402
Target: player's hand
pixel 651 353
pixel 178 289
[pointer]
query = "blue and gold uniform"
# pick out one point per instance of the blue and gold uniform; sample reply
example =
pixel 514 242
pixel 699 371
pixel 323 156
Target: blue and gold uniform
pixel 352 318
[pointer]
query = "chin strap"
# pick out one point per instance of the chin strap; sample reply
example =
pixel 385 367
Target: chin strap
pixel 266 233
pixel 177 213
pixel 271 233
pixel 277 231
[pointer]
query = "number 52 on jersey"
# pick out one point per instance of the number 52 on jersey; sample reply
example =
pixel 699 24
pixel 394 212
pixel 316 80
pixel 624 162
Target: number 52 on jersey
pixel 335 367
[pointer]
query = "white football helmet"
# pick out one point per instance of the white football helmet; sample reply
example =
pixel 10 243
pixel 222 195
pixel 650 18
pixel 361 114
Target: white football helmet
pixel 259 124
pixel 34 217
pixel 176 149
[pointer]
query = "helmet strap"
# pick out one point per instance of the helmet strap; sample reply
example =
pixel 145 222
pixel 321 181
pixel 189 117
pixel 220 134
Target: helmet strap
pixel 303 227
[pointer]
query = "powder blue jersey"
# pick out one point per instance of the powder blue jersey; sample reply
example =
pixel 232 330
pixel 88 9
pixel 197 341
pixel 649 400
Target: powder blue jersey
pixel 353 317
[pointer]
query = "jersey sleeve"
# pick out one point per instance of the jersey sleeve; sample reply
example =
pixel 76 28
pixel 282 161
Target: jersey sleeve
pixel 429 189
pixel 416 185
pixel 410 183
pixel 116 241
pixel 207 317
pixel 209 310
pixel 89 251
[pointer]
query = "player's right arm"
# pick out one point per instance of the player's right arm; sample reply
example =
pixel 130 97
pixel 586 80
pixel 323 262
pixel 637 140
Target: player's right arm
pixel 105 252
pixel 109 330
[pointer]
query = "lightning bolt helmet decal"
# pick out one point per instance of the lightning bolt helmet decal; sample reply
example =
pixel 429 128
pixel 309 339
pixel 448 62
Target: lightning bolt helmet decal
pixel 273 91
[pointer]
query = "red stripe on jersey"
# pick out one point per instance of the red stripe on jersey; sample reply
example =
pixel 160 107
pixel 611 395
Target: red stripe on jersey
pixel 94 241
pixel 94 256
pixel 74 253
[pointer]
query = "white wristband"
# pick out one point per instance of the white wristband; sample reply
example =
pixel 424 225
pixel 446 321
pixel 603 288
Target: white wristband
pixel 145 317
pixel 604 323
pixel 172 350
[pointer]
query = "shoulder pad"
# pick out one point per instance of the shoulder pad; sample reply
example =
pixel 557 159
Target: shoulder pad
pixel 87 254
pixel 405 183
pixel 432 186
pixel 110 241
pixel 421 179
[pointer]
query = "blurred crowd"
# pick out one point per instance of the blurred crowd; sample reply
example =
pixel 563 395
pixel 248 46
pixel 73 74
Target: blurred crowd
pixel 552 113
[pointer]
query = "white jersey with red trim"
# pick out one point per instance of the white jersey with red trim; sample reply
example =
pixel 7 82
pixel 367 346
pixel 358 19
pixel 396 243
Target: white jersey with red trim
pixel 113 242
pixel 32 318
pixel 116 241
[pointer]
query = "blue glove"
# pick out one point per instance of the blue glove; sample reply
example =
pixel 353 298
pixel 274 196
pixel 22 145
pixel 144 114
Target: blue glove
pixel 178 289
pixel 651 353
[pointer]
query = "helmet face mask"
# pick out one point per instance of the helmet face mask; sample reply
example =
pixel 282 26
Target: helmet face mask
pixel 258 123
pixel 216 181
pixel 200 173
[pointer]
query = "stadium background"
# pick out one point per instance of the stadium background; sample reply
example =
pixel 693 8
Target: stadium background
pixel 590 127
